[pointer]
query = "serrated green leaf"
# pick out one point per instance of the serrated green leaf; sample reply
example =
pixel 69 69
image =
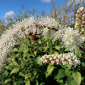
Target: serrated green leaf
pixel 61 74
pixel 7 80
pixel 15 70
pixel 77 77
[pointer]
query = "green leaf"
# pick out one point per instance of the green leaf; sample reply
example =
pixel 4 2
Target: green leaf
pixel 35 73
pixel 61 74
pixel 78 52
pixel 27 75
pixel 7 80
pixel 6 73
pixel 27 82
pixel 60 80
pixel 83 64
pixel 35 52
pixel 82 35
pixel 69 67
pixel 15 70
pixel 42 83
pixel 57 47
pixel 39 42
pixel 72 82
pixel 26 50
pixel 21 74
pixel 8 67
pixel 50 68
pixel 38 61
pixel 45 48
pixel 15 49
pixel 67 72
pixel 77 77
pixel 37 82
pixel 67 49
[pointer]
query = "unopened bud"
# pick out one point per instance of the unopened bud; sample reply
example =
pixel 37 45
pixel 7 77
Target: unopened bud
pixel 82 25
pixel 82 9
pixel 82 30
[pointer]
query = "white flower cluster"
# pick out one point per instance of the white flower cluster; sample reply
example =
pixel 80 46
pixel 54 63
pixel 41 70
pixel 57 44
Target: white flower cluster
pixel 58 34
pixel 46 21
pixel 80 18
pixel 64 59
pixel 71 38
pixel 9 38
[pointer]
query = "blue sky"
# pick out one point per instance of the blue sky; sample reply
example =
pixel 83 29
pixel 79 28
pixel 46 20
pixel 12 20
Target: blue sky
pixel 15 5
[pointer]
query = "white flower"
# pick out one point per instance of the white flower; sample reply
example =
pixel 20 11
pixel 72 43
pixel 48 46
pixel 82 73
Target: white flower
pixel 58 34
pixel 71 38
pixel 45 61
pixel 52 62
pixel 47 21
pixel 45 32
pixel 50 58
pixel 65 59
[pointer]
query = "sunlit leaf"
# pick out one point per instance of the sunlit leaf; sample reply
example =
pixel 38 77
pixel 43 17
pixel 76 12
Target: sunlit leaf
pixel 27 82
pixel 7 80
pixel 15 70
pixel 77 77
pixel 49 69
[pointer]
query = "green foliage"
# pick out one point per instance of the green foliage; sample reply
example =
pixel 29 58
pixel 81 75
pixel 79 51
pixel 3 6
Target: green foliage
pixel 77 78
pixel 49 70
pixel 25 67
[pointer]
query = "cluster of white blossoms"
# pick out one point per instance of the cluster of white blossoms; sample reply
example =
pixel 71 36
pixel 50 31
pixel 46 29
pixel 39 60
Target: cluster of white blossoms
pixel 46 21
pixel 71 38
pixel 9 38
pixel 80 18
pixel 64 59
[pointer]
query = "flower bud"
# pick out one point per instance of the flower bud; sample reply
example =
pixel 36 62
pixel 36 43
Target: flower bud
pixel 81 9
pixel 82 30
pixel 82 25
